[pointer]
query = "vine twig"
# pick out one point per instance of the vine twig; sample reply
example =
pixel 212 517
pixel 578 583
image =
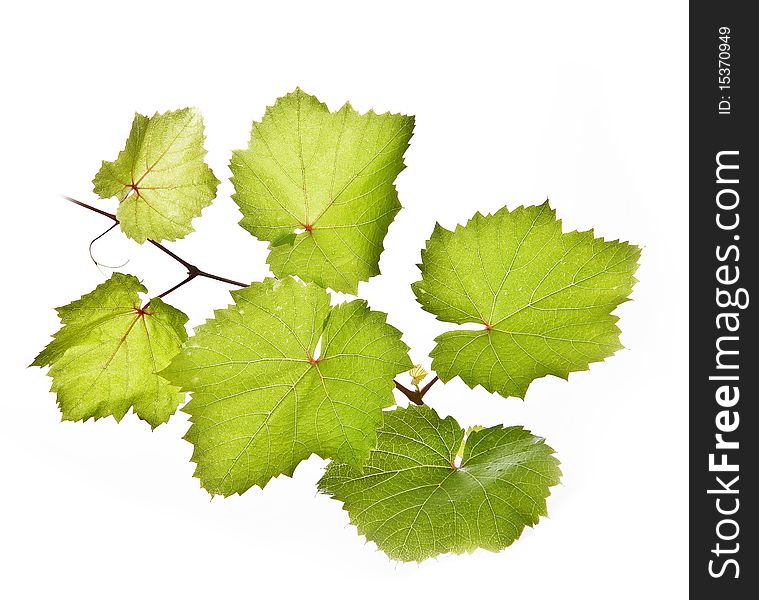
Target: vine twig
pixel 416 395
pixel 192 270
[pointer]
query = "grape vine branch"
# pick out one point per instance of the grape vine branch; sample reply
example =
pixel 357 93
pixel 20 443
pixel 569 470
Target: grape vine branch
pixel 281 374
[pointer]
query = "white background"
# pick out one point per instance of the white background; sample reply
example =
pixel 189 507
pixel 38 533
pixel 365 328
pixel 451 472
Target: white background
pixel 583 102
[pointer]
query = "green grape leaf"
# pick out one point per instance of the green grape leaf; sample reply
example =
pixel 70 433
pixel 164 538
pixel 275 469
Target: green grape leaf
pixel 280 375
pixel 160 178
pixel 543 298
pixel 415 501
pixel 105 357
pixel 318 186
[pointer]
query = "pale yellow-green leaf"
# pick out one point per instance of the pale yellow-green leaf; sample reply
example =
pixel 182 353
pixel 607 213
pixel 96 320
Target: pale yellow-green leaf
pixel 319 187
pixel 160 178
pixel 105 357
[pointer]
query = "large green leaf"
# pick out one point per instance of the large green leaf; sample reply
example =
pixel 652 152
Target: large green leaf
pixel 543 298
pixel 280 375
pixel 160 177
pixel 105 357
pixel 414 501
pixel 319 187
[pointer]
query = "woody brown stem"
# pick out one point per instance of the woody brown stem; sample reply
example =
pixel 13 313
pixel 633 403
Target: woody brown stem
pixel 415 396
pixel 192 270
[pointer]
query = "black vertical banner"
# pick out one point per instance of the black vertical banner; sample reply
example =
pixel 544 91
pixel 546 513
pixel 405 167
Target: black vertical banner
pixel 724 265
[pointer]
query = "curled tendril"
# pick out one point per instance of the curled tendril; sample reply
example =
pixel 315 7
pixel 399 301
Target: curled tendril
pixel 98 264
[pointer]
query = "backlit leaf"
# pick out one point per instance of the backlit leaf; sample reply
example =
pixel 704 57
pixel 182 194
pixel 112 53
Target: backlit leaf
pixel 280 375
pixel 160 177
pixel 104 359
pixel 415 500
pixel 543 299
pixel 319 187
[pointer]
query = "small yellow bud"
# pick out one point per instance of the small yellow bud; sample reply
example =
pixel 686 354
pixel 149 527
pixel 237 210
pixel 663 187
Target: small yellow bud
pixel 417 374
